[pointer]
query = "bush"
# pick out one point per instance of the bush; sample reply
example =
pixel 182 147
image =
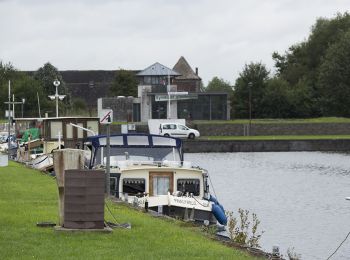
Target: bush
pixel 245 232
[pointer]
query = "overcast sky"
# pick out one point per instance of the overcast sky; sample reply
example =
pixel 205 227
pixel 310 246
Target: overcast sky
pixel 217 36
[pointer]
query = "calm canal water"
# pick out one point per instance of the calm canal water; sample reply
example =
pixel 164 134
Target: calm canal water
pixel 298 196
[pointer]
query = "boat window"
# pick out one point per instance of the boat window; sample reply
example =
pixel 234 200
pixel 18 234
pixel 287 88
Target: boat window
pixel 150 155
pixel 163 141
pixel 114 140
pixel 188 185
pixel 138 140
pixel 133 186
pixel 161 185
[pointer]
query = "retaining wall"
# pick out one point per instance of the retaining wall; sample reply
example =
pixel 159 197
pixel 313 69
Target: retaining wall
pixel 206 146
pixel 257 129
pixel 275 129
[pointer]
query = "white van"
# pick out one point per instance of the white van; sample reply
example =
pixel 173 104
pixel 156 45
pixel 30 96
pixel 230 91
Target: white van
pixel 177 130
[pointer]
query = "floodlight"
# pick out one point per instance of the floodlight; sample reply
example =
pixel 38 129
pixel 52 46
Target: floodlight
pixel 56 83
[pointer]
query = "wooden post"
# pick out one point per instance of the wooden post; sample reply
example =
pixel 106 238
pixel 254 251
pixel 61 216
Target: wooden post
pixel 65 159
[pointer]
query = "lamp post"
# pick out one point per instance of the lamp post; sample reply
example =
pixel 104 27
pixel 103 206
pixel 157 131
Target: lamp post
pixel 23 101
pixel 250 84
pixel 169 89
pixel 56 83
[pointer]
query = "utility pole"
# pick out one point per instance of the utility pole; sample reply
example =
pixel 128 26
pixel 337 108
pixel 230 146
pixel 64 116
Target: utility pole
pixel 169 113
pixel 9 122
pixel 9 118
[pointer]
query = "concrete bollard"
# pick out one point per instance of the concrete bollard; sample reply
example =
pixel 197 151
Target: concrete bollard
pixel 4 160
pixel 65 159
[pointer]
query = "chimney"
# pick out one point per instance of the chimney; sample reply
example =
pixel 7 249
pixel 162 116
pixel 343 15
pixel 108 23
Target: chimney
pixel 196 71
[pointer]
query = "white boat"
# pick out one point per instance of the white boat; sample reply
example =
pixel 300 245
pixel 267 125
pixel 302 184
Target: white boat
pixel 149 171
pixel 43 162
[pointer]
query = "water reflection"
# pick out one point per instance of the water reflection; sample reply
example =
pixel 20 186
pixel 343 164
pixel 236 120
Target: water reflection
pixel 299 197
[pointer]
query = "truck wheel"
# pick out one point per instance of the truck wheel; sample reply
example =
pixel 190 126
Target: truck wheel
pixel 167 135
pixel 191 136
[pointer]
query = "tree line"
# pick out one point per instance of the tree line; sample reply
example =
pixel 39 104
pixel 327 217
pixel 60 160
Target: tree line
pixel 311 79
pixel 32 87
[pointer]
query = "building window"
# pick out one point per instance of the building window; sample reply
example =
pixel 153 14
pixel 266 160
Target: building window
pixel 147 80
pixel 69 131
pixel 80 132
pixel 188 185
pixel 92 125
pixel 56 129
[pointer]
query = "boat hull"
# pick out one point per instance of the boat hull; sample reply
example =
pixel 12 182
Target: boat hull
pixel 187 214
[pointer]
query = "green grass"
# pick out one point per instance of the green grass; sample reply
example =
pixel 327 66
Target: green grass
pixel 119 123
pixel 277 121
pixel 28 197
pixel 277 137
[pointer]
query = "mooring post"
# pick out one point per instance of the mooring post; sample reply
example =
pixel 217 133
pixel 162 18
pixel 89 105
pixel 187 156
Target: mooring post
pixel 65 159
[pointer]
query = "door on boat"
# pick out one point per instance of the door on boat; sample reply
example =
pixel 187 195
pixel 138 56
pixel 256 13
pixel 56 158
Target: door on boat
pixel 160 183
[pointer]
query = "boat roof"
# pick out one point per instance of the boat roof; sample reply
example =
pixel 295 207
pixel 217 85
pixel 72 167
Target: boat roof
pixel 136 141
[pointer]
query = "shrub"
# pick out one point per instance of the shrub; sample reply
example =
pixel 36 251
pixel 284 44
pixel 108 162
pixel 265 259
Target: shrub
pixel 246 232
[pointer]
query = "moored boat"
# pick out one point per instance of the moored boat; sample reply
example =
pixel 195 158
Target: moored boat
pixel 149 171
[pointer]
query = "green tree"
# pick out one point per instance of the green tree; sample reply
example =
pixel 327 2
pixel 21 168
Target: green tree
pixel 218 84
pixel 334 78
pixel 292 66
pixel 79 106
pixel 276 102
pixel 303 59
pixel 46 75
pixel 28 88
pixel 300 98
pixel 303 63
pixel 252 80
pixel 124 84
pixel 23 86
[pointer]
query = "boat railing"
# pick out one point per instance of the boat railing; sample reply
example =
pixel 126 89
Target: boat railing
pixel 133 162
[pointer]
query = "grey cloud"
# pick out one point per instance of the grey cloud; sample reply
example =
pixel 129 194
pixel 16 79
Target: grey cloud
pixel 219 37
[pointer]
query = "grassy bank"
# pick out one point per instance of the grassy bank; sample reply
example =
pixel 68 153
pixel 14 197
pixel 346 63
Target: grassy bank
pixel 277 137
pixel 28 197
pixel 277 121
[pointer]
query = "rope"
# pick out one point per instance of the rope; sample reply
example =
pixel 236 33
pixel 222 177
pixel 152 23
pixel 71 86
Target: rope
pixel 110 212
pixel 212 186
pixel 339 246
pixel 200 203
